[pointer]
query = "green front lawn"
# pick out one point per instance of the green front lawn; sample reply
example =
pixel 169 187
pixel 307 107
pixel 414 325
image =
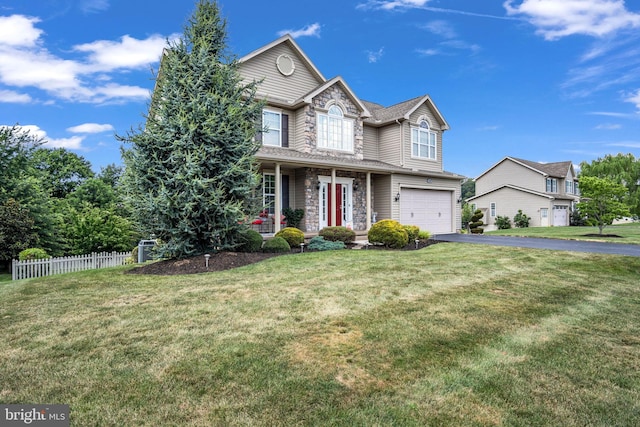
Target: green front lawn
pixel 441 336
pixel 628 233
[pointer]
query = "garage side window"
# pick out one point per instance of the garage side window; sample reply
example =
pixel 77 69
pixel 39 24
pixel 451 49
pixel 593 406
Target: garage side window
pixel 493 210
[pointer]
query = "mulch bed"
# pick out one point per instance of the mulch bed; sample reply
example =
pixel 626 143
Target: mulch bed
pixel 227 260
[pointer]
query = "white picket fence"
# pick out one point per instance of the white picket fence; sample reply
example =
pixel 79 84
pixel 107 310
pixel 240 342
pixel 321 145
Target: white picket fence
pixel 50 266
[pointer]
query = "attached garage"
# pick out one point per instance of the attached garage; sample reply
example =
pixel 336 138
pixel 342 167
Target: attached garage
pixel 431 210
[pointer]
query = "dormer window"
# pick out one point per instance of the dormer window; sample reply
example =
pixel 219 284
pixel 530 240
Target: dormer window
pixel 335 132
pixel 423 141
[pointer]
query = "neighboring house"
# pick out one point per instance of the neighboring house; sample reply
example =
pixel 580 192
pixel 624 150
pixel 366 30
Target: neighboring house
pixel 546 192
pixel 346 161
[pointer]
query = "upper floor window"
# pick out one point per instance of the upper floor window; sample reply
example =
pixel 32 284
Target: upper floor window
pixel 568 187
pixel 334 130
pixel 552 185
pixel 423 141
pixel 272 121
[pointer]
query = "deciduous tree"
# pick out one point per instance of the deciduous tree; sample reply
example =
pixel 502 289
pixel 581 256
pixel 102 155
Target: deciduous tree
pixel 602 201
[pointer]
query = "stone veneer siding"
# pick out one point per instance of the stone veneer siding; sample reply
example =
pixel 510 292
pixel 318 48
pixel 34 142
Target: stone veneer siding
pixel 336 94
pixel 311 218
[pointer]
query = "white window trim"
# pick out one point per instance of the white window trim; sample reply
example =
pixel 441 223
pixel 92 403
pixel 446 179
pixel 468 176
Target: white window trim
pixel 420 129
pixel 279 114
pixel 345 119
pixel 265 194
pixel 493 209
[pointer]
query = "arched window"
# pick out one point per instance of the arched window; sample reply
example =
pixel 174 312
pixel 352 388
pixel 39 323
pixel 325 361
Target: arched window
pixel 423 141
pixel 335 132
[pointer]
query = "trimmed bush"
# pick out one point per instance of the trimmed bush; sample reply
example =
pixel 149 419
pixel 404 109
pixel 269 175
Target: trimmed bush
pixel 521 220
pixel 424 235
pixel 338 234
pixel 293 216
pixel 503 222
pixel 276 245
pixel 413 231
pixel 319 243
pixel 33 253
pixel 389 233
pixel 476 223
pixel 292 235
pixel 250 241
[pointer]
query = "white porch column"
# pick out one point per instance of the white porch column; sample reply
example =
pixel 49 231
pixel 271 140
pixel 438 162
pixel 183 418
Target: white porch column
pixel 278 207
pixel 332 213
pixel 368 201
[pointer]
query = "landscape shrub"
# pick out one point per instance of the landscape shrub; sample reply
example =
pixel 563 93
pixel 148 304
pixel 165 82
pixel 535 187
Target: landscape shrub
pixel 503 222
pixel 389 233
pixel 293 216
pixel 338 234
pixel 521 220
pixel 250 241
pixel 276 245
pixel 292 235
pixel 32 253
pixel 319 243
pixel 413 231
pixel 424 235
pixel 476 222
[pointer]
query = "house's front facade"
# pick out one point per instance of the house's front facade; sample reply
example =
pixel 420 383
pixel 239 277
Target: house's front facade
pixel 546 192
pixel 346 161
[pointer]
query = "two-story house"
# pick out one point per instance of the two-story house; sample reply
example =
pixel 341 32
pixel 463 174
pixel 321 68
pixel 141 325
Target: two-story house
pixel 347 161
pixel 546 192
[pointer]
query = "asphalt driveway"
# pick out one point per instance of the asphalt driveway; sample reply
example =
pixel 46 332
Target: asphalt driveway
pixel 540 243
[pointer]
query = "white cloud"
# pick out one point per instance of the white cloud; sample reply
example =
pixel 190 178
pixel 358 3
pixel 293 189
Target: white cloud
pixel 608 126
pixel 394 4
pixel 310 30
pixel 374 56
pixel 19 31
pixel 430 52
pixel 131 53
pixel 26 63
pixel 634 99
pixel 555 19
pixel 90 128
pixel 73 143
pixel 441 28
pixel 11 97
pixel 94 6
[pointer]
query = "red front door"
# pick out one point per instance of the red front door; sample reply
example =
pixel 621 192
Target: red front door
pixel 335 211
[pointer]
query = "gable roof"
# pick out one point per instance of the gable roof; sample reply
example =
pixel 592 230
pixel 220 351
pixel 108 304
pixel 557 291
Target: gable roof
pixel 513 187
pixel 554 169
pixel 402 111
pixel 308 98
pixel 287 39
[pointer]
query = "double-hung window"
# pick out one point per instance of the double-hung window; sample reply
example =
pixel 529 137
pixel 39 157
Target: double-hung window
pixel 269 192
pixel 552 185
pixel 568 187
pixel 423 141
pixel 271 121
pixel 335 132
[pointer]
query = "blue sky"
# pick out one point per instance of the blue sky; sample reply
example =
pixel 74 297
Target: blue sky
pixel 544 80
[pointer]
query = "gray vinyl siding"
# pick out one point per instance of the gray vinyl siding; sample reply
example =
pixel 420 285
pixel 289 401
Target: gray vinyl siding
pixel 509 172
pixel 420 182
pixel 371 147
pixel 509 200
pixel 382 197
pixel 276 85
pixel 389 144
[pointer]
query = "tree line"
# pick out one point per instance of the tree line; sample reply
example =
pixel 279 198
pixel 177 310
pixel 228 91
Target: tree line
pixel 51 199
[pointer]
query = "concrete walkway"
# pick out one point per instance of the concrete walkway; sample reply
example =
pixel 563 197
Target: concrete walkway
pixel 540 243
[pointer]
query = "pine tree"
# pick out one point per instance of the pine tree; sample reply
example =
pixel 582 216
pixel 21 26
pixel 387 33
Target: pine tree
pixel 191 171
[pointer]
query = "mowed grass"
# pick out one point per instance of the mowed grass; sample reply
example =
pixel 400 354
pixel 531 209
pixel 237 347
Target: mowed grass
pixel 627 233
pixel 452 334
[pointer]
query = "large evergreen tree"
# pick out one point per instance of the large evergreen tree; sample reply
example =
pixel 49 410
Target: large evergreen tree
pixel 191 171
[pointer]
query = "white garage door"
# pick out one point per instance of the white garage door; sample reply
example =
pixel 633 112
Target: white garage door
pixel 428 209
